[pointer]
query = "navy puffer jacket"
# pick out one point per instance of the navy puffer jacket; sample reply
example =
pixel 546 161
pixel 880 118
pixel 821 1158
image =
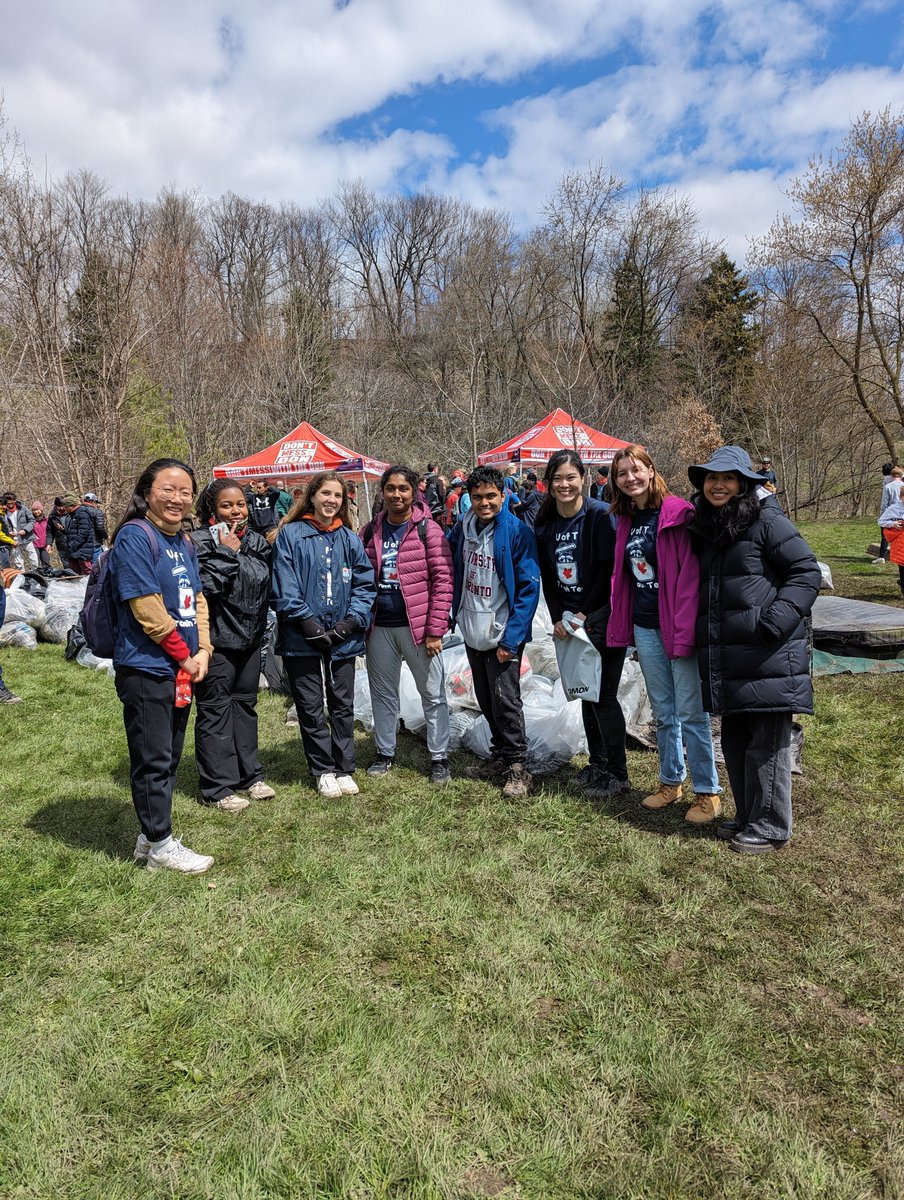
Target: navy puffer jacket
pixel 756 594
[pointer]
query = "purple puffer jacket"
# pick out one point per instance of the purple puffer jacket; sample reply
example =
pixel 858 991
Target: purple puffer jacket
pixel 425 572
pixel 679 582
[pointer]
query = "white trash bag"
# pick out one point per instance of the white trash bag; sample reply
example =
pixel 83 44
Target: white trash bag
pixel 22 606
pixel 63 603
pixel 580 665
pixel 18 633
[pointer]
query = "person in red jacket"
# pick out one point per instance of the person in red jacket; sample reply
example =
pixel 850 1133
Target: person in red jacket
pixel 413 565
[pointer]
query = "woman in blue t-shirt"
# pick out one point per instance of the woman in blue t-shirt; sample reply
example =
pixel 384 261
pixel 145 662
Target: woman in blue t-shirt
pixel 576 540
pixel 162 649
pixel 323 591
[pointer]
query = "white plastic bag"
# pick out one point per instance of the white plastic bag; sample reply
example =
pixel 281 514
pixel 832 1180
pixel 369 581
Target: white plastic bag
pixel 64 601
pixel 21 606
pixel 17 633
pixel 580 666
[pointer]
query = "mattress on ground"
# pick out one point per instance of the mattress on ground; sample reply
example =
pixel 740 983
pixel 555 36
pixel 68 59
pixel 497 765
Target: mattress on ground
pixel 842 626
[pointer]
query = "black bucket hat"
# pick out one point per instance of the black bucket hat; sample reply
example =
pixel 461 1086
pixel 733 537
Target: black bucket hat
pixel 726 458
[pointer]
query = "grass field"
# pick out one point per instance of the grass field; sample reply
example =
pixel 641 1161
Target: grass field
pixel 425 994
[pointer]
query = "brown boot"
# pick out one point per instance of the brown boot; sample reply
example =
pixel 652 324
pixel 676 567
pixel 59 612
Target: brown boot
pixel 667 793
pixel 706 807
pixel 518 782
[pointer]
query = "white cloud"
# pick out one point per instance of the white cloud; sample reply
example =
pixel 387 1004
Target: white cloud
pixel 724 99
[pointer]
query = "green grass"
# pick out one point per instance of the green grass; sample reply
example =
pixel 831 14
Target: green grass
pixel 437 994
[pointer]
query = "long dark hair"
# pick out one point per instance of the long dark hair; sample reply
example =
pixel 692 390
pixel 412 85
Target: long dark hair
pixel 138 501
pixel 719 527
pixel 547 509
pixel 206 507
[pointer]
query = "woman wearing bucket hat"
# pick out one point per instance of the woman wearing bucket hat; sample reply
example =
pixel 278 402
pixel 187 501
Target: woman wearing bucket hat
pixel 758 582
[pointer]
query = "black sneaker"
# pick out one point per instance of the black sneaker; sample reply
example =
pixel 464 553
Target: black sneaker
pixel 8 697
pixel 381 765
pixel 587 776
pixel 439 772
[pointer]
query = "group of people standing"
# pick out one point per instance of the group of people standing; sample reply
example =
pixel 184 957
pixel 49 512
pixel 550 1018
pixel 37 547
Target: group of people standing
pixel 713 593
pixel 75 528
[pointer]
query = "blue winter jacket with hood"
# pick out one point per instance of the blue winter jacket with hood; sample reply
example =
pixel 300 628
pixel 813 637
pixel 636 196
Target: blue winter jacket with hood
pixel 515 552
pixel 326 576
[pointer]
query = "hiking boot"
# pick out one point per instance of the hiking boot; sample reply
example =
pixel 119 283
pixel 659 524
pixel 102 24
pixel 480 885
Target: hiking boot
pixel 706 807
pixel 142 847
pixel 8 697
pixel 667 793
pixel 175 857
pixel 328 785
pixel 439 772
pixel 487 768
pixel 231 804
pixel 517 782
pixel 261 791
pixel 347 785
pixel 381 765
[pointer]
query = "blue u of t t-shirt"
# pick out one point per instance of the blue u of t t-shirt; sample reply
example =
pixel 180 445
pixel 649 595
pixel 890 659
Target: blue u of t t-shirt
pixel 174 576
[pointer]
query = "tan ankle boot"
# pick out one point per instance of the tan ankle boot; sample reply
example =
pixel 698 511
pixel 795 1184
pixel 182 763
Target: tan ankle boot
pixel 668 793
pixel 707 806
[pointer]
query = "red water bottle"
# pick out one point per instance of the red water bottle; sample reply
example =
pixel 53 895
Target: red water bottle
pixel 183 688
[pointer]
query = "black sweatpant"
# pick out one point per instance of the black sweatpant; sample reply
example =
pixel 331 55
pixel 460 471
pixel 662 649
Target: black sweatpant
pixel 329 749
pixel 497 687
pixel 226 724
pixel 604 721
pixel 757 750
pixel 155 732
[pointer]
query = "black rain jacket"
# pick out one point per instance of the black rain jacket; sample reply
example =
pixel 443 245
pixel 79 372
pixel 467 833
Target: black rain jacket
pixel 237 588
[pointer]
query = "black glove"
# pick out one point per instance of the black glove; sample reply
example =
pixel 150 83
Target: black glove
pixel 342 629
pixel 315 634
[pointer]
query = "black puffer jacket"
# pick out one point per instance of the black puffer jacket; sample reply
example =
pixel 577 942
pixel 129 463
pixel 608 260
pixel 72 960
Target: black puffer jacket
pixel 237 588
pixel 755 596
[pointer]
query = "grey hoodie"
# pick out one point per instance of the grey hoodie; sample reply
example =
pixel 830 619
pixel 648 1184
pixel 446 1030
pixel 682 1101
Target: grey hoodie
pixel 484 610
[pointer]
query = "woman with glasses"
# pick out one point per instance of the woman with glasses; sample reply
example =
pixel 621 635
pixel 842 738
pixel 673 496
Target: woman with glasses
pixel 162 650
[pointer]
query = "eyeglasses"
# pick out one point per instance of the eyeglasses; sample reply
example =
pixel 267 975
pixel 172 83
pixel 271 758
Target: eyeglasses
pixel 171 493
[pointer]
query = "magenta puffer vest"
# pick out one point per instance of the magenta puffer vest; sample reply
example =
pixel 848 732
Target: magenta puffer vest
pixel 425 572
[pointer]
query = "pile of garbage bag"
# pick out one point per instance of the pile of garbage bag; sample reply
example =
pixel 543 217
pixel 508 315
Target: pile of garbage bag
pixel 38 608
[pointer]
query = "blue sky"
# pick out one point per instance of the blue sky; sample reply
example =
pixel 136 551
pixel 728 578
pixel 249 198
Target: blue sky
pixel 489 100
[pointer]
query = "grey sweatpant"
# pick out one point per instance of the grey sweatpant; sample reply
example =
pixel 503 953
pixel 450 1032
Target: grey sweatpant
pixel 387 648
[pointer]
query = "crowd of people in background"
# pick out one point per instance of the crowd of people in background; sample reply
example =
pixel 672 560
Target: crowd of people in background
pixel 712 593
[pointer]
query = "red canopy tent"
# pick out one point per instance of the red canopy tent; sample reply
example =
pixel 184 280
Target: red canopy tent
pixel 558 431
pixel 304 451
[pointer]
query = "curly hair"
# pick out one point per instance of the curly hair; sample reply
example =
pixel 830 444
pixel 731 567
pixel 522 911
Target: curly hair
pixel 206 506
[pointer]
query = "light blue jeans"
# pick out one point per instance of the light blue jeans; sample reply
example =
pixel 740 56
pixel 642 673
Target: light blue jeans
pixel 673 685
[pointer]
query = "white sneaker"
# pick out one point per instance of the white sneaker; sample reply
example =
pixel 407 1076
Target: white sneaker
pixel 328 785
pixel 233 804
pixel 142 846
pixel 878 562
pixel 176 857
pixel 347 785
pixel 261 791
